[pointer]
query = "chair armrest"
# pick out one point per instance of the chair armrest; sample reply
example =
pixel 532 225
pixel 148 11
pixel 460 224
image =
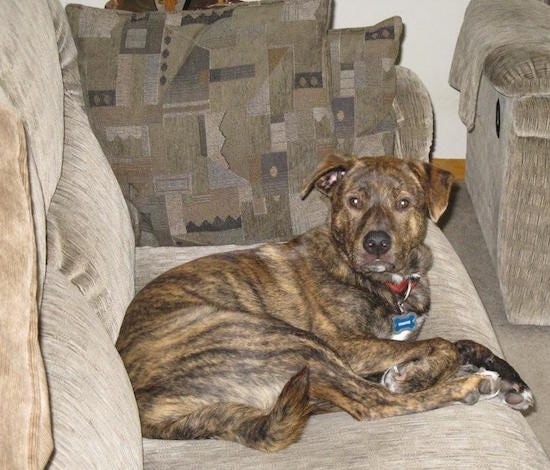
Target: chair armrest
pixel 414 114
pixel 507 40
pixel 521 68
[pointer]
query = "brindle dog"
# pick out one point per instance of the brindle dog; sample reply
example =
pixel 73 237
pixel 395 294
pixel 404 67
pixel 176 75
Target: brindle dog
pixel 246 345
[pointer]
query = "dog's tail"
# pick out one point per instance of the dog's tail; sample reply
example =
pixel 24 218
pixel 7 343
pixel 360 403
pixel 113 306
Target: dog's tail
pixel 286 420
pixel 270 432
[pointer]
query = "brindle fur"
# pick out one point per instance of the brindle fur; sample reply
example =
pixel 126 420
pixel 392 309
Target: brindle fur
pixel 246 345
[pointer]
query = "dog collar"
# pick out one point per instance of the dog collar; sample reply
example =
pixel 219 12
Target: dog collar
pixel 404 286
pixel 407 321
pixel 404 322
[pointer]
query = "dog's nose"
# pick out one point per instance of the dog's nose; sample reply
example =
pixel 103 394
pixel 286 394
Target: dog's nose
pixel 377 242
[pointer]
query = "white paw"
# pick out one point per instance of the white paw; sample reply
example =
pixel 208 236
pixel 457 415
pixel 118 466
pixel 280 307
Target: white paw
pixel 518 400
pixel 490 388
pixel 390 379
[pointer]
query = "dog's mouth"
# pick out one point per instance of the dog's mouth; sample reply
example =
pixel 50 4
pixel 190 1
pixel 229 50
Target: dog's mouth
pixel 368 263
pixel 379 266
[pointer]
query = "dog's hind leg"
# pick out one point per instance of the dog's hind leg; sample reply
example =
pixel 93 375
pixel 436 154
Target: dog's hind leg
pixel 267 431
pixel 514 391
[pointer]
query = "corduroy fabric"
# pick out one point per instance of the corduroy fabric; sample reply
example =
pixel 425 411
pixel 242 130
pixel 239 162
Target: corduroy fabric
pixel 30 85
pixel 414 115
pixel 523 246
pixel 509 40
pixel 455 438
pixel 456 311
pixel 485 166
pixel 24 407
pixel 508 179
pixel 532 116
pixel 90 238
pixel 509 147
pixel 30 80
pixel 95 417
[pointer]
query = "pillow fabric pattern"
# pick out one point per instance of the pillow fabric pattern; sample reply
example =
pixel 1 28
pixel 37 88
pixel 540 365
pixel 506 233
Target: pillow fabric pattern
pixel 362 87
pixel 211 119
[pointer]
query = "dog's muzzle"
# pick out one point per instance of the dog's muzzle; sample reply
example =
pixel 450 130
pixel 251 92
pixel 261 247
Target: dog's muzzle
pixel 377 242
pixel 376 258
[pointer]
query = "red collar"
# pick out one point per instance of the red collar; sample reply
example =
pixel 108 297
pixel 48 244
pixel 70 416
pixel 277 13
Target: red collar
pixel 401 287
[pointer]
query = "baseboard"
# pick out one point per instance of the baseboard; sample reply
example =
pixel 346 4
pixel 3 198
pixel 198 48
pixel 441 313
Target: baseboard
pixel 457 166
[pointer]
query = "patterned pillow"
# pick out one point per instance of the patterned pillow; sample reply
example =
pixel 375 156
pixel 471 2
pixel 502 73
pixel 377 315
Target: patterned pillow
pixel 211 119
pixel 362 62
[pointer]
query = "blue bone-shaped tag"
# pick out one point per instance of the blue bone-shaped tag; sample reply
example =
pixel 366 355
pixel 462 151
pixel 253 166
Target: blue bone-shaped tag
pixel 404 322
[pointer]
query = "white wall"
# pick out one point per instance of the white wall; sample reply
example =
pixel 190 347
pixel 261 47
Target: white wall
pixel 431 29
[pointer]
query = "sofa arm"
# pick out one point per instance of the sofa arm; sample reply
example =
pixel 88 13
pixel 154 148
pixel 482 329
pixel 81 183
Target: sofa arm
pixel 501 66
pixel 508 163
pixel 523 260
pixel 414 114
pixel 520 68
pixel 507 40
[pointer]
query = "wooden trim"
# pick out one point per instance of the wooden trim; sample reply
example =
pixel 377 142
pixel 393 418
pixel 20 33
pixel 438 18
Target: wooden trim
pixel 457 166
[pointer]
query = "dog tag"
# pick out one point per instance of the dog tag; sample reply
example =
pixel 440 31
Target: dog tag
pixel 405 322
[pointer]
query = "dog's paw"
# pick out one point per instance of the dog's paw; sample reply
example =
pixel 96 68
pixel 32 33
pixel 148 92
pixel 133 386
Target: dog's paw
pixel 491 386
pixel 400 379
pixel 393 379
pixel 513 391
pixel 480 385
pixel 516 396
pixel 408 377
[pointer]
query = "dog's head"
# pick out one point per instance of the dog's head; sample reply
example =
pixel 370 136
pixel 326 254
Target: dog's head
pixel 380 207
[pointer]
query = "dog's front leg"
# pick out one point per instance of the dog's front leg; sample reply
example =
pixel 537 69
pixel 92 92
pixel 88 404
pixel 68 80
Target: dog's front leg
pixel 365 400
pixel 514 391
pixel 402 367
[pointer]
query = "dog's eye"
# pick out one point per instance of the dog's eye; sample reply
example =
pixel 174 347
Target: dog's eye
pixel 354 202
pixel 403 203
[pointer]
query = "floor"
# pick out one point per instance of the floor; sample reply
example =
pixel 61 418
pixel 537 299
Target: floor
pixel 527 348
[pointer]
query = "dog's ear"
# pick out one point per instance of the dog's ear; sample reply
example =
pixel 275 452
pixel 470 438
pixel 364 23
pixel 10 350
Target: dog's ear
pixel 437 185
pixel 328 173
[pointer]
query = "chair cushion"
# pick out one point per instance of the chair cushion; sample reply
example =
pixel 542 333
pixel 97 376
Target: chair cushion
pixel 456 311
pixel 455 437
pixel 90 237
pixel 94 412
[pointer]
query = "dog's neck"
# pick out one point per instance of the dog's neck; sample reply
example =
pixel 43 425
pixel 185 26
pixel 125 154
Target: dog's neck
pixel 336 262
pixel 401 285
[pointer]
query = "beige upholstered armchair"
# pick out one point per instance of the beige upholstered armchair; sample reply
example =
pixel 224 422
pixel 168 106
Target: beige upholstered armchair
pixel 69 263
pixel 502 68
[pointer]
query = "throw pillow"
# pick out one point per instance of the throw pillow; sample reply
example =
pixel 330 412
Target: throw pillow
pixel 211 119
pixel 362 88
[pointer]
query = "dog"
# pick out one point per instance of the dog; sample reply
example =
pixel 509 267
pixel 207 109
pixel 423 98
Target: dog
pixel 246 345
